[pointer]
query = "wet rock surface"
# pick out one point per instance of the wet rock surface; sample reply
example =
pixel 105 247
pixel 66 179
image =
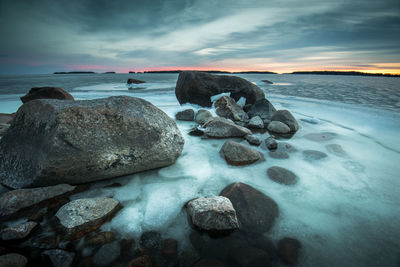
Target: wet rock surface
pixel 278 154
pixel 107 254
pixel 271 143
pixel 185 115
pixel 224 128
pixel 256 123
pixel 313 155
pixel 336 150
pixel 212 214
pixel 203 116
pixel 198 87
pixel 282 175
pixel 287 118
pixel 13 260
pixel 289 250
pixel 256 211
pixel 81 216
pixel 278 127
pixel 100 239
pixel 226 107
pixel 253 140
pixel 239 154
pixel 59 257
pixel 46 93
pixel 19 231
pixel 87 140
pixel 262 108
pixel 320 137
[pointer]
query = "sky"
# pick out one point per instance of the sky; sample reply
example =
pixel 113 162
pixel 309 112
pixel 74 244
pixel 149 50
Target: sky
pixel 43 36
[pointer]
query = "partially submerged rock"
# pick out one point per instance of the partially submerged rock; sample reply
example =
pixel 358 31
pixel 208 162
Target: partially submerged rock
pixel 256 211
pixel 281 175
pixel 60 258
pixel 336 150
pixel 14 201
pixel 107 254
pixel 198 87
pixel 278 127
pixel 185 115
pixel 100 239
pixel 313 155
pixel 262 108
pixel 239 154
pixel 226 107
pixel 82 216
pixel 212 214
pixel 289 250
pixel 267 81
pixel 271 143
pixel 223 128
pixel 135 81
pixel 253 140
pixel 19 231
pixel 287 118
pixel 13 260
pixel 203 116
pixel 52 141
pixel 256 123
pixel 46 93
pixel 249 257
pixel 320 137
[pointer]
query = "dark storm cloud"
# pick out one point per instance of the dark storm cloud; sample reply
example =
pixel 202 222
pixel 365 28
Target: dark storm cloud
pixel 155 33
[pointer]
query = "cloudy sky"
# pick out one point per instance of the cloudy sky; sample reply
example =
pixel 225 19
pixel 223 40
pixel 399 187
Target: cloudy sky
pixel 43 36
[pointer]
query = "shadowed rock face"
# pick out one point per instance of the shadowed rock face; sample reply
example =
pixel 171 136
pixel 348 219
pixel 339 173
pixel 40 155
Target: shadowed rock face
pixel 227 107
pixel 197 88
pixel 52 141
pixel 224 128
pixel 46 93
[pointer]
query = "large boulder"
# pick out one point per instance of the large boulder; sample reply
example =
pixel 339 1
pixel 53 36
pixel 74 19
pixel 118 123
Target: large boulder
pixel 262 108
pixel 256 211
pixel 228 108
pixel 82 216
pixel 46 93
pixel 52 141
pixel 239 154
pixel 213 214
pixel 287 118
pixel 224 128
pixel 198 87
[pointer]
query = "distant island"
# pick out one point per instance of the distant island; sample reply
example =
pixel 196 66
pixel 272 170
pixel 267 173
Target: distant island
pixel 350 73
pixel 109 72
pixel 74 72
pixel 212 71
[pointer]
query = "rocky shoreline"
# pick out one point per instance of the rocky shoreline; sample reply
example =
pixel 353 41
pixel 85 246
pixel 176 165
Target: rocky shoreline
pixel 55 146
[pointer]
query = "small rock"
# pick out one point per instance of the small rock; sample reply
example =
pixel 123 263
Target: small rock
pixel 249 257
pixel 252 139
pixel 287 118
pixel 271 143
pixel 195 131
pixel 186 115
pixel 170 248
pixel 267 81
pixel 46 93
pixel 107 254
pixel 228 108
pixel 13 201
pixel 82 216
pixel 312 155
pixel 278 127
pixel 209 262
pixel 282 146
pixel 151 240
pixel 289 250
pixel 100 239
pixel 19 231
pixel 337 150
pixel 256 123
pixel 262 108
pixel 319 137
pixel 142 261
pixel 13 260
pixel 266 244
pixel 256 211
pixel 278 155
pixel 60 258
pixel 213 214
pixel 203 116
pixel 238 154
pixel 281 175
pixel 224 128
pixel 130 81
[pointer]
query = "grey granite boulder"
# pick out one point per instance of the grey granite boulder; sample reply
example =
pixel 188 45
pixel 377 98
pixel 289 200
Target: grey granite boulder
pixel 256 123
pixel 198 87
pixel 185 115
pixel 16 200
pixel 226 107
pixel 278 127
pixel 224 128
pixel 19 231
pixel 46 93
pixel 287 118
pixel 82 216
pixel 212 214
pixel 253 140
pixel 203 116
pixel 239 154
pixel 53 142
pixel 262 108
pixel 256 211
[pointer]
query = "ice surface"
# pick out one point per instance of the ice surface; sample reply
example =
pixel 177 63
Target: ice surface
pixel 345 210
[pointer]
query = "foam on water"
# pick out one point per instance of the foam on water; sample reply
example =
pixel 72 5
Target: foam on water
pixel 344 208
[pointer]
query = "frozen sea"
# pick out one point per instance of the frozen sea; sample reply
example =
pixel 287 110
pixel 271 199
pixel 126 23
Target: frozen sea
pixel 345 208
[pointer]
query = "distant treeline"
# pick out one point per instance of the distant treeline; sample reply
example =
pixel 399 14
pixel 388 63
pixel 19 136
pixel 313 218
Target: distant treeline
pixel 212 71
pixel 350 73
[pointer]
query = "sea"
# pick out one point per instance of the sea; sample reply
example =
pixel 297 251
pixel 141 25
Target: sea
pixel 345 207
